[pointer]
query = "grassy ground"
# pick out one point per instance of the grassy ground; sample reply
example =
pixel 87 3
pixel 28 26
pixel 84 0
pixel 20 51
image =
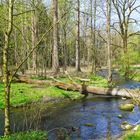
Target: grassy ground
pixel 30 135
pixel 133 135
pixel 22 93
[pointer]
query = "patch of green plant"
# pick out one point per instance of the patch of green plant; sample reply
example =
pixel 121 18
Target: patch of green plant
pixel 99 81
pixel 29 135
pixel 133 135
pixel 22 93
pixel 95 80
pixel 136 77
pixel 135 67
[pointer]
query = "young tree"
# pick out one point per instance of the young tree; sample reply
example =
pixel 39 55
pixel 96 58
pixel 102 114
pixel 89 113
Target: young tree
pixel 6 74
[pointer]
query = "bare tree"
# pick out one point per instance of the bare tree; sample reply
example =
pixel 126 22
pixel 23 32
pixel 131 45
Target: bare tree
pixel 94 35
pixel 77 63
pixel 108 17
pixel 124 10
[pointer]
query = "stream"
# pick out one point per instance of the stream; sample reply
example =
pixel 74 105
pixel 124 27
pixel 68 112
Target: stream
pixel 92 118
pixel 72 116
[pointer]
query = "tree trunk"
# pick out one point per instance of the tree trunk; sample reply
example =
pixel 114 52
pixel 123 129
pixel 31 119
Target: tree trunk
pixel 77 64
pixel 108 17
pixel 126 59
pixel 84 88
pixel 55 58
pixel 6 74
pixel 93 36
pixel 65 50
pixel 34 36
pixel 6 85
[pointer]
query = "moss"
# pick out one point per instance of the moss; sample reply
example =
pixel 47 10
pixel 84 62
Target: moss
pixel 30 135
pixel 126 107
pixel 133 135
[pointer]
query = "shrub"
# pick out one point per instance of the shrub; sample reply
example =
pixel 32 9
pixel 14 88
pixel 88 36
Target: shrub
pixel 29 135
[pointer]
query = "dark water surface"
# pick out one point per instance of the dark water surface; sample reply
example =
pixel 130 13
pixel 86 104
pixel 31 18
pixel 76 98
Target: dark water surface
pixel 72 116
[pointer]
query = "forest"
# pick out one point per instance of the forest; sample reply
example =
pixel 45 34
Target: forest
pixel 69 69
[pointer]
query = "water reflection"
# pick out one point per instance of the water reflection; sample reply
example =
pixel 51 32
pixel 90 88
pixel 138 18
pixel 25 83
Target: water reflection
pixel 71 117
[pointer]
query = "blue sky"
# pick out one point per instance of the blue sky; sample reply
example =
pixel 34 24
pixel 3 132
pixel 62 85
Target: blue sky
pixel 135 15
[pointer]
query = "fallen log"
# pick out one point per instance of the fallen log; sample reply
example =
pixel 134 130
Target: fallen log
pixel 84 88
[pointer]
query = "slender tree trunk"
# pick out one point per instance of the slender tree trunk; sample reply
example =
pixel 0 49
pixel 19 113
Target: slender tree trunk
pixel 55 58
pixel 16 47
pixel 6 85
pixel 34 36
pixel 77 64
pixel 108 16
pixel 126 59
pixel 65 50
pixel 5 68
pixel 93 36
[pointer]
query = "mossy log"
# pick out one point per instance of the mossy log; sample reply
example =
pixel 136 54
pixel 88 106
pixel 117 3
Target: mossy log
pixel 84 88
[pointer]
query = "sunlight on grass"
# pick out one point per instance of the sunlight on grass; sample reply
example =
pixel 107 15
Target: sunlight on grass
pixel 22 93
pixel 133 135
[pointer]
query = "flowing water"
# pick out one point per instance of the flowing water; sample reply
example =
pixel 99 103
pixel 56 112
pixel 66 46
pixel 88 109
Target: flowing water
pixel 72 116
pixel 94 118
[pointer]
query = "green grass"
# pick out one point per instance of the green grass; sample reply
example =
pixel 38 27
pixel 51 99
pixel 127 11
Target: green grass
pixel 98 81
pixel 95 80
pixel 133 135
pixel 30 135
pixel 22 93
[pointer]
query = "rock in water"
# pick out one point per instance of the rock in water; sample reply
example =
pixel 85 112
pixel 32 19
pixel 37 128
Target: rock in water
pixel 126 107
pixel 119 116
pixel 127 127
pixel 88 124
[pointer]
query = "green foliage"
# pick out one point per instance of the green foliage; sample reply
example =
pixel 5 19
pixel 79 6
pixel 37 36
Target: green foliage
pixel 30 135
pixel 137 77
pixel 136 73
pixel 130 58
pixel 134 135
